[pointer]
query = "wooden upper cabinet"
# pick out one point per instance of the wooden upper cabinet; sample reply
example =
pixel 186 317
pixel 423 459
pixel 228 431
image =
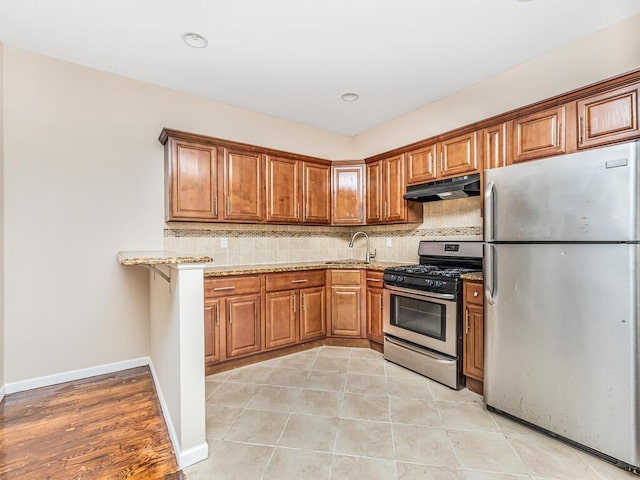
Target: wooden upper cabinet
pixel 242 185
pixel 283 190
pixel 347 201
pixel 374 192
pixel 497 151
pixel 421 165
pixel 394 205
pixel 609 117
pixel 192 181
pixel 316 193
pixel 540 134
pixel 459 155
pixel 386 186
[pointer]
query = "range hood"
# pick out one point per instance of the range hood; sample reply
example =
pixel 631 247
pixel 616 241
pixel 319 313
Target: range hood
pixel 450 188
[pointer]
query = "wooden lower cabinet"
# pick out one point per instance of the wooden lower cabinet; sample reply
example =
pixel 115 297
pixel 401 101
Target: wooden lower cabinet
pixel 243 324
pixel 374 306
pixel 212 331
pixel 232 317
pixel 280 319
pixel 294 314
pixel 346 303
pixel 313 313
pixel 473 343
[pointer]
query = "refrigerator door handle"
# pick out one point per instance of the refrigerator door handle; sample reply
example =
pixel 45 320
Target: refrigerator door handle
pixel 489 210
pixel 491 284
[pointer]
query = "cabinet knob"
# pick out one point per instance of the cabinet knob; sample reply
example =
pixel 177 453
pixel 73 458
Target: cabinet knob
pixel 475 294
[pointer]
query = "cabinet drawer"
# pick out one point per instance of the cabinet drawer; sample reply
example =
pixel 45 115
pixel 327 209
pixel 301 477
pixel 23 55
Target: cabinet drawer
pixel 291 280
pixel 345 277
pixel 374 279
pixel 473 293
pixel 218 287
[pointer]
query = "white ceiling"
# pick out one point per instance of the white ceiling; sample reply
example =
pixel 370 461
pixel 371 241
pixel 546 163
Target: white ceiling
pixel 294 58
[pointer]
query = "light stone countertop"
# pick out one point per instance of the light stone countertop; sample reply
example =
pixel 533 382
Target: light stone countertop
pixel 475 276
pixel 159 257
pixel 227 270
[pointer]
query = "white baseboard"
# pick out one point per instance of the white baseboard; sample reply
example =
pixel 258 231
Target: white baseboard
pixel 187 457
pixel 193 455
pixel 71 375
pixel 2 391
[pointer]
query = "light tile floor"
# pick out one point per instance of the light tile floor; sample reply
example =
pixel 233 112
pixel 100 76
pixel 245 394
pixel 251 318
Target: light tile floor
pixel 346 413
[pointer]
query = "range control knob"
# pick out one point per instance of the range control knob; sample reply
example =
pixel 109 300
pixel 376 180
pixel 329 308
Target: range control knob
pixel 428 283
pixel 394 278
pixel 400 278
pixel 439 283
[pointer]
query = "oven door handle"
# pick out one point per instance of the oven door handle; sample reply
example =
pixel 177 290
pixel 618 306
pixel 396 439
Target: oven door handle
pixel 421 293
pixel 426 353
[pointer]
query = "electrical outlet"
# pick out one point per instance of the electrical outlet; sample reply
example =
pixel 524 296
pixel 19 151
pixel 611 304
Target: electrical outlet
pixel 223 242
pixel 388 241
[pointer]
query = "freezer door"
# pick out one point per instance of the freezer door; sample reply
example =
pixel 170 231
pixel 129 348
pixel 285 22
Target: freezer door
pixel 585 196
pixel 561 341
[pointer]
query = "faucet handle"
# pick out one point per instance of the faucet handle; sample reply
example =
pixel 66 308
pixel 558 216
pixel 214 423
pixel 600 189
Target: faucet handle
pixel 372 255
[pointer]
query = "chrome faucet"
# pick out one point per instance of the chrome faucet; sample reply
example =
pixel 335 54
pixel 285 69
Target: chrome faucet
pixel 370 256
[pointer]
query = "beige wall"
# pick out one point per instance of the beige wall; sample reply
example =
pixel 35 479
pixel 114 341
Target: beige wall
pixel 2 349
pixel 609 52
pixel 84 179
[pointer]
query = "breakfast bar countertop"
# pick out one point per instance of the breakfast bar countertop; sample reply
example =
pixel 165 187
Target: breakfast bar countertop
pixel 159 257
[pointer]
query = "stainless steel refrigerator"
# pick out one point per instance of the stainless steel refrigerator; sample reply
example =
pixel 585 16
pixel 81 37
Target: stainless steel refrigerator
pixel 561 297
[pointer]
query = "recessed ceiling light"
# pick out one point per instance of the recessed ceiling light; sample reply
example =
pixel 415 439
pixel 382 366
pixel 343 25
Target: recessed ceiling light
pixel 194 40
pixel 350 97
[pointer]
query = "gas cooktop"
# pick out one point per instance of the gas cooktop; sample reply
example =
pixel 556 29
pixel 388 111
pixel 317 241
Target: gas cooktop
pixel 441 264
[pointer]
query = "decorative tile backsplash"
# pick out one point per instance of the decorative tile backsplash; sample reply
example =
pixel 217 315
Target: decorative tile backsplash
pixel 252 244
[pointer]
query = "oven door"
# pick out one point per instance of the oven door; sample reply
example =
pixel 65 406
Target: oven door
pixel 421 318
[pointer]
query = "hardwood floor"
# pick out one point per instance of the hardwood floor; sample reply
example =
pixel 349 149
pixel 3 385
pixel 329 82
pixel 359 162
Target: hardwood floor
pixel 105 427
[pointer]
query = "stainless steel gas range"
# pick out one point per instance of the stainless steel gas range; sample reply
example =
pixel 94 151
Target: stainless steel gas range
pixel 422 308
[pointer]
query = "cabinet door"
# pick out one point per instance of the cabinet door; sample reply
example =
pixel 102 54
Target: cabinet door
pixel 608 117
pixel 374 314
pixel 348 195
pixel 280 318
pixel 316 205
pixel 421 165
pixel 283 190
pixel 243 324
pixel 192 181
pixel 496 146
pixel 459 155
pixel 474 342
pixel 345 311
pixel 538 135
pixel 394 205
pixel 212 331
pixel 242 186
pixel 374 192
pixel 313 315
